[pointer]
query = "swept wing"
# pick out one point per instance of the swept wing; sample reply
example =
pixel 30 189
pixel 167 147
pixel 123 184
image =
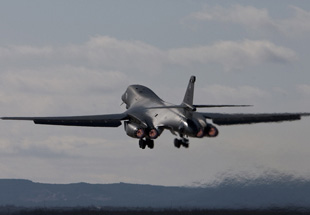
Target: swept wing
pixel 237 118
pixel 108 120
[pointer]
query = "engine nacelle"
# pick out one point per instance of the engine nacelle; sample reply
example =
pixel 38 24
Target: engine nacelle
pixel 211 131
pixel 134 130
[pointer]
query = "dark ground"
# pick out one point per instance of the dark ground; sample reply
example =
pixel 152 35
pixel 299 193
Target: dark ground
pixel 11 210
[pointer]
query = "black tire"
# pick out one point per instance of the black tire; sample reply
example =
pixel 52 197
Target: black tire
pixel 177 143
pixel 150 143
pixel 142 144
pixel 185 145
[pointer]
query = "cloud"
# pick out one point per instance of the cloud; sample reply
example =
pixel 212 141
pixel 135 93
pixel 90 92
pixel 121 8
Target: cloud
pixel 246 15
pixel 106 53
pixel 257 19
pixel 24 50
pixel 76 146
pixel 297 25
pixel 304 89
pixel 60 90
pixel 233 55
pixel 101 52
pixel 226 93
pixel 75 76
pixel 57 79
pixel 124 54
pixel 72 78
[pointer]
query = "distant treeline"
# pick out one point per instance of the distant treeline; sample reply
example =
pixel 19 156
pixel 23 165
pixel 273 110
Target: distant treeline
pixel 12 210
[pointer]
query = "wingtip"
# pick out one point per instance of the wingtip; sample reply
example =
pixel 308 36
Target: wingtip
pixel 5 118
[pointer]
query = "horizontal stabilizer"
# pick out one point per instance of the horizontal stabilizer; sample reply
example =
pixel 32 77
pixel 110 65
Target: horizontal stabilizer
pixel 214 106
pixel 196 106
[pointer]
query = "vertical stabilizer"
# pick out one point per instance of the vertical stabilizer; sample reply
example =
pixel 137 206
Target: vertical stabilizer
pixel 189 94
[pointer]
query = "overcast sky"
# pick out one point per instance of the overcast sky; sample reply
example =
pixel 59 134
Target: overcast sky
pixel 77 57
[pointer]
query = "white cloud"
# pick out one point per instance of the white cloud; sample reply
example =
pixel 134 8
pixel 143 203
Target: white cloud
pixel 233 55
pixel 122 54
pixel 226 93
pixel 59 90
pixel 257 19
pixel 63 79
pixel 108 53
pixel 111 49
pixel 297 25
pixel 246 15
pixel 304 89
pixel 101 51
pixel 62 145
pixel 97 68
pixel 15 51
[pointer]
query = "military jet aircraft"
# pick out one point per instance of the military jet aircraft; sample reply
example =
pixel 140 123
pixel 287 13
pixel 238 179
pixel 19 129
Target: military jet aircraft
pixel 147 116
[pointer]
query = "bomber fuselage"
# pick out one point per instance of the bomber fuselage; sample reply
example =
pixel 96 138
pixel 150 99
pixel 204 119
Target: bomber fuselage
pixel 151 114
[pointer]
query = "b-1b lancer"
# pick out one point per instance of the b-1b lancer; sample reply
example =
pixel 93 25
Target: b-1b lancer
pixel 147 116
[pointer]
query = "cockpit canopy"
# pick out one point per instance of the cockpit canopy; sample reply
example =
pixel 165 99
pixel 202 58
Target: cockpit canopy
pixel 135 93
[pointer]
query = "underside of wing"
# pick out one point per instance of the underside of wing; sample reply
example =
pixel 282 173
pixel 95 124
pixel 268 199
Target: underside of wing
pixel 108 120
pixel 233 119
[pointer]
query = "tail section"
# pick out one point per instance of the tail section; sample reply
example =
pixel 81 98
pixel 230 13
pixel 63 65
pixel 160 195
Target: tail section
pixel 189 94
pixel 189 97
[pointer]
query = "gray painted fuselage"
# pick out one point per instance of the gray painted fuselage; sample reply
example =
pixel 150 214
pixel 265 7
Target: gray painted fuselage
pixel 146 108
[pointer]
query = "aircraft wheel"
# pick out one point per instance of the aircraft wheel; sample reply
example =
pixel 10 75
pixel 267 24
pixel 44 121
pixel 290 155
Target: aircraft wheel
pixel 184 142
pixel 185 145
pixel 177 143
pixel 150 143
pixel 142 144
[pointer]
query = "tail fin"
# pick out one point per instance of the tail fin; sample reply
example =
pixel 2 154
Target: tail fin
pixel 189 94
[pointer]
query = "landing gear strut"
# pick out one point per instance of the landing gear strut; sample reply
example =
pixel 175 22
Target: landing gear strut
pixel 181 142
pixel 147 142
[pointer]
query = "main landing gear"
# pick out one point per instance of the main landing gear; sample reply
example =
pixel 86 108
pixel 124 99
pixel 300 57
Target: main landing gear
pixel 150 143
pixel 181 142
pixel 147 142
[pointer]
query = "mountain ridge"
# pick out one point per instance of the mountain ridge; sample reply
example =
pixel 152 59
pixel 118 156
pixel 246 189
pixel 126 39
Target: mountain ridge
pixel 228 194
